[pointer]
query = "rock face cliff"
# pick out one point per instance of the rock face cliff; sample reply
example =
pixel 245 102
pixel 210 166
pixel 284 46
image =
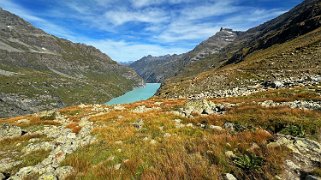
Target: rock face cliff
pixel 39 71
pixel 157 69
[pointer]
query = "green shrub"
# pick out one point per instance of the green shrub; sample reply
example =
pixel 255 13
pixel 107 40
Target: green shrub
pixel 249 162
pixel 293 130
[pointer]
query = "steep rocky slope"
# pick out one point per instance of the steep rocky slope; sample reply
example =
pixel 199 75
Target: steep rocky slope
pixel 157 69
pixel 286 49
pixel 39 71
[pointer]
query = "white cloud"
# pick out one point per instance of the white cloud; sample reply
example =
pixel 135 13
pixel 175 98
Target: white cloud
pixel 147 3
pixel 184 26
pixel 123 51
pixel 119 17
pixel 209 9
pixel 41 23
pixel 144 3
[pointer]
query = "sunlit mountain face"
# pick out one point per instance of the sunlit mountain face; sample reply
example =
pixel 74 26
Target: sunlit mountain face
pixel 142 27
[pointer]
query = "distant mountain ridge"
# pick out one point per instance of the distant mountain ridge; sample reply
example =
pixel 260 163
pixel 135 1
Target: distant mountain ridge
pixel 284 49
pixel 39 71
pixel 157 69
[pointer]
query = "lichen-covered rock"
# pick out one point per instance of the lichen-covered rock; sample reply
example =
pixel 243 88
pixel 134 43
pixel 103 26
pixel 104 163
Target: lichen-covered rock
pixel 7 163
pixel 9 131
pixel 36 147
pixel 64 171
pixel 306 154
pixel 143 109
pixel 47 177
pixel 48 115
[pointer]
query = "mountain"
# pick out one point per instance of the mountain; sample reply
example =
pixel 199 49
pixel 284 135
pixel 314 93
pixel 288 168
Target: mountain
pixel 39 71
pixel 157 69
pixel 286 49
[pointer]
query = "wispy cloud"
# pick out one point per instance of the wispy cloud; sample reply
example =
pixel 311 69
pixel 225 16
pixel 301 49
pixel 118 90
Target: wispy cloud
pixel 119 17
pixel 130 51
pixel 129 29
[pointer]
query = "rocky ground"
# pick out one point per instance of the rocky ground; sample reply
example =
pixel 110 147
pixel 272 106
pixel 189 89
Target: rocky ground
pixel 273 134
pixel 57 140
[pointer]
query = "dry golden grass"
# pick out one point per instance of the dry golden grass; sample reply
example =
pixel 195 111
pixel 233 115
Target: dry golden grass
pixel 75 128
pixel 189 152
pixel 160 150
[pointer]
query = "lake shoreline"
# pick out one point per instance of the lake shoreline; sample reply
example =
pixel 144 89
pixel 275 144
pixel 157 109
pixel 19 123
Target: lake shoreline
pixel 137 94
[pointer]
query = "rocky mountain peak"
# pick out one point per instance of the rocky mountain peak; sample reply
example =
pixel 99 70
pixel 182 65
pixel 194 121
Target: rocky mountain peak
pixel 214 44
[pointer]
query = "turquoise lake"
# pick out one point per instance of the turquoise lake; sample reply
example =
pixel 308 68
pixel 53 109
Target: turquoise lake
pixel 137 94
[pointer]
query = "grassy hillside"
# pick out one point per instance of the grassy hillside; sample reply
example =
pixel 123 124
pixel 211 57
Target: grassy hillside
pixel 39 71
pixel 297 58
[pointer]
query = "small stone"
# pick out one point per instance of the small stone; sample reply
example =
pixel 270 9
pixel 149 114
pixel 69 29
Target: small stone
pixel 189 125
pixel 229 126
pixel 23 121
pixel 82 106
pixel 166 135
pixel 111 158
pixel 117 166
pixel 230 154
pixel 216 128
pixel 254 147
pixel 146 139
pixel 158 103
pixel 277 84
pixel 138 124
pixel 153 141
pixel 119 142
pixel 177 121
pixel 291 165
pixel 311 177
pixel 229 176
pixel 119 150
pixel 119 107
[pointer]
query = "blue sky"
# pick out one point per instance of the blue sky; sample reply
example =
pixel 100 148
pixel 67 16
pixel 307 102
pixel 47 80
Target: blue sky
pixel 127 30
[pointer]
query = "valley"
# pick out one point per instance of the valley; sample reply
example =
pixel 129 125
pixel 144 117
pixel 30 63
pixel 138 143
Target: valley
pixel 240 105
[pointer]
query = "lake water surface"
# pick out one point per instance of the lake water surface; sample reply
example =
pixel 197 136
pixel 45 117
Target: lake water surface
pixel 137 94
